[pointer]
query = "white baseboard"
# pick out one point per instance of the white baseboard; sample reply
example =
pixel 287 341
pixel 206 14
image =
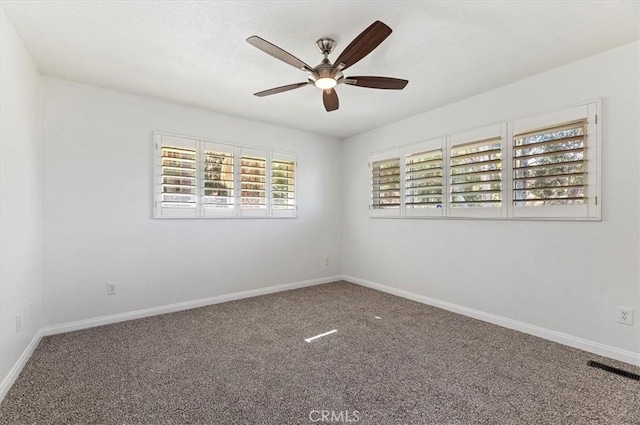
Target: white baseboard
pixel 187 305
pixel 559 337
pixel 7 383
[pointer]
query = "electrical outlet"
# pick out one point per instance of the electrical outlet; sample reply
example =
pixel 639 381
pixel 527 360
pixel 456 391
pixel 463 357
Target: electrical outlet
pixel 18 323
pixel 625 315
pixel 326 261
pixel 112 288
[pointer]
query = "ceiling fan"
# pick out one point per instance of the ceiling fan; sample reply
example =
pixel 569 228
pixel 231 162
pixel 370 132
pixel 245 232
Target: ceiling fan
pixel 327 75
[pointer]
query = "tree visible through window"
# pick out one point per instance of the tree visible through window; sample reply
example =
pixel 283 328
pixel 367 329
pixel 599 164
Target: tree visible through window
pixel 217 175
pixel 476 174
pixel 550 167
pixel 282 184
pixel 423 175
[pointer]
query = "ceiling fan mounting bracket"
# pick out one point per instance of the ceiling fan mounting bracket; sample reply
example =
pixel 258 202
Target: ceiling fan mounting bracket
pixel 326 45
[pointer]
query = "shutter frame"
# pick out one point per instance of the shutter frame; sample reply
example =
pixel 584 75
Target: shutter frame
pixel 163 209
pixel 208 209
pixel 387 156
pixel 253 165
pixel 281 158
pixel 482 136
pixel 414 151
pixel 591 160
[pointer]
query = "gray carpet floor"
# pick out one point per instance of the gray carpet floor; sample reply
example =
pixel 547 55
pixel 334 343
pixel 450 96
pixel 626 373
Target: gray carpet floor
pixel 246 362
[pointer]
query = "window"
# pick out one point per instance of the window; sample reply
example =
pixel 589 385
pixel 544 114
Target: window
pixel 178 177
pixel 283 177
pixel 554 164
pixel 253 182
pixel 544 167
pixel 424 179
pixel 549 166
pixel 202 179
pixel 385 183
pixel 218 196
pixel 476 176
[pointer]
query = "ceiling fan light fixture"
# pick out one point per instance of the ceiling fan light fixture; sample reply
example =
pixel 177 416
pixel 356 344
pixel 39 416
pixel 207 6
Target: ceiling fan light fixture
pixel 325 83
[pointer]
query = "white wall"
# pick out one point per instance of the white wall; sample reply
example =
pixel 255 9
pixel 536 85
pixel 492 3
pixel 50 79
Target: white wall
pixel 563 276
pixel 98 226
pixel 20 199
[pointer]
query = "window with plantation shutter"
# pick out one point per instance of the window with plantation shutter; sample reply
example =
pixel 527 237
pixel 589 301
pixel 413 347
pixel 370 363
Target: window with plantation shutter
pixel 475 173
pixel 550 167
pixel 542 167
pixel 283 199
pixel 178 177
pixel 218 197
pixel 553 164
pixel 202 179
pixel 424 179
pixel 385 184
pixel 176 185
pixel 253 182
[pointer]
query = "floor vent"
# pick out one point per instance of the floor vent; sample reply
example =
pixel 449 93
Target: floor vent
pixel 614 370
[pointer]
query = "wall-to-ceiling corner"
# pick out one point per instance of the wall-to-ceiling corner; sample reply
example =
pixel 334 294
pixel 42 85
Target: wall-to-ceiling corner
pixel 557 279
pixel 20 205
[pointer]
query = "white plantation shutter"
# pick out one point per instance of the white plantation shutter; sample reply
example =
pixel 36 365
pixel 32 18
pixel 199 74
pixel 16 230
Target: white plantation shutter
pixel 545 167
pixel 283 195
pixel 205 179
pixel 476 173
pixel 254 169
pixel 424 179
pixel 176 177
pixel 218 179
pixel 554 164
pixel 385 183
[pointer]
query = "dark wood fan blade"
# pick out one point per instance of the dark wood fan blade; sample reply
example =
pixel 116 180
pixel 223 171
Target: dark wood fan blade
pixel 280 89
pixel 330 99
pixel 278 53
pixel 377 82
pixel 363 44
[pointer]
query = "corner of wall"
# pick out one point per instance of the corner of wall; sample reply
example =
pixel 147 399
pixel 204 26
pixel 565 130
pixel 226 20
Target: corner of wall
pixel 21 142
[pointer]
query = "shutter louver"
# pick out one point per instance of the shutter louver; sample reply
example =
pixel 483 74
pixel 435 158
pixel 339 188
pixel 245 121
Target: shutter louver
pixel 550 166
pixel 386 184
pixel 253 182
pixel 217 177
pixel 424 180
pixel 178 172
pixel 476 174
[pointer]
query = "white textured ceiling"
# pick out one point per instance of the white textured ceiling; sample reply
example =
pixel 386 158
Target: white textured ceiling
pixel 194 53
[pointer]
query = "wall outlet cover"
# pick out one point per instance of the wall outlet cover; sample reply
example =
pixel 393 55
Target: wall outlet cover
pixel 112 288
pixel 625 315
